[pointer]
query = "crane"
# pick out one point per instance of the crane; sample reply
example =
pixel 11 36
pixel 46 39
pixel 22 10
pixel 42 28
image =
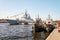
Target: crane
pixel 18 15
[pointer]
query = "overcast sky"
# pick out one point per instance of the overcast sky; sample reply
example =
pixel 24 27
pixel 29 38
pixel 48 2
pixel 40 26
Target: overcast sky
pixel 33 7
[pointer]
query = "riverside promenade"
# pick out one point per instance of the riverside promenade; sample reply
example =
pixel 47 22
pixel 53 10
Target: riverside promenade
pixel 55 35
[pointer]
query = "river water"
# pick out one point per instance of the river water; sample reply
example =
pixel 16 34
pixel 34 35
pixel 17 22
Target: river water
pixel 16 32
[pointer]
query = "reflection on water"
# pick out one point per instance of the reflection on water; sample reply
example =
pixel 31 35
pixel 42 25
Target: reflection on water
pixel 22 32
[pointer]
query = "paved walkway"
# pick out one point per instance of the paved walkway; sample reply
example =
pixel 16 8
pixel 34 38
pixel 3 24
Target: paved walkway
pixel 55 35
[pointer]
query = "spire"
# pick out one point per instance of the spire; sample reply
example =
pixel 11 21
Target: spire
pixel 49 16
pixel 38 15
pixel 26 13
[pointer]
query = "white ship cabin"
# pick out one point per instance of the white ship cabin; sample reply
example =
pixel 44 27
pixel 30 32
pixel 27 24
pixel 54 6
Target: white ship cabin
pixel 26 19
pixel 49 20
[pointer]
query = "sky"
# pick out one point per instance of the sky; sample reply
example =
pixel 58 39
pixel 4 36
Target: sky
pixel 34 7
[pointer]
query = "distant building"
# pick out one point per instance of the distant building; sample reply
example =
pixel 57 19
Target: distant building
pixel 9 22
pixel 4 22
pixel 55 23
